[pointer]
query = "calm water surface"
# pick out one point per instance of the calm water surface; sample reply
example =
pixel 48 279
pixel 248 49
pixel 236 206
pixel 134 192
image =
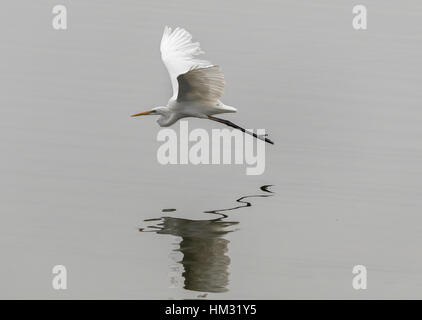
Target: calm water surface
pixel 80 179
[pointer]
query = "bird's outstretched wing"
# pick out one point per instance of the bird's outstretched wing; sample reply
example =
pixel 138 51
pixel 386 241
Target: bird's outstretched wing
pixel 201 84
pixel 178 54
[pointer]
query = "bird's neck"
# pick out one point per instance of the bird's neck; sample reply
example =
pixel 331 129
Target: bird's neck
pixel 168 117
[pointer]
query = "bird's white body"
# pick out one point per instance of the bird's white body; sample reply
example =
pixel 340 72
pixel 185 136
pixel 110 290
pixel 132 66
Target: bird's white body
pixel 199 109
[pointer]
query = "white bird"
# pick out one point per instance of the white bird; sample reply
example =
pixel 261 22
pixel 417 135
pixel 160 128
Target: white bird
pixel 197 84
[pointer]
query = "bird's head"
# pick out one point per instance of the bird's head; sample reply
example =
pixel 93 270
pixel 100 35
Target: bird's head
pixel 154 111
pixel 162 111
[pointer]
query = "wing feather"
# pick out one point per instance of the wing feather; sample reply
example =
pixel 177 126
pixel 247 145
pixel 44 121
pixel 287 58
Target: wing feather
pixel 201 84
pixel 178 53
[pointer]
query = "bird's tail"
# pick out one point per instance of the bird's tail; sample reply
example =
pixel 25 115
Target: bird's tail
pixel 228 109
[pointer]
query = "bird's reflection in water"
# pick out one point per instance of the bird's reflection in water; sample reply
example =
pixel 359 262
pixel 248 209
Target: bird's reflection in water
pixel 204 248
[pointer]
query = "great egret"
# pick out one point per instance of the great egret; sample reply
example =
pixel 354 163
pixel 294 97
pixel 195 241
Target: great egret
pixel 197 84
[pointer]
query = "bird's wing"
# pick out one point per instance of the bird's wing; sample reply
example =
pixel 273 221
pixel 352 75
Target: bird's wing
pixel 201 84
pixel 178 54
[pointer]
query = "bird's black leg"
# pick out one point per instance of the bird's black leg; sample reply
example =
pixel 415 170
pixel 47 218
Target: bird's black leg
pixel 231 124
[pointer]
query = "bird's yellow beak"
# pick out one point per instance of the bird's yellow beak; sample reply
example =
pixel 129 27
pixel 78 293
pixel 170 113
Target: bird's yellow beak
pixel 142 113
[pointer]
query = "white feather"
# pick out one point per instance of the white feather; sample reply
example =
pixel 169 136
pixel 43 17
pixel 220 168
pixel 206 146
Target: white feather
pixel 202 84
pixel 178 54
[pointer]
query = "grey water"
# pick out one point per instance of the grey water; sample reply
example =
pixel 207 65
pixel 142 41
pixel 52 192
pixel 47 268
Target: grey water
pixel 79 178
